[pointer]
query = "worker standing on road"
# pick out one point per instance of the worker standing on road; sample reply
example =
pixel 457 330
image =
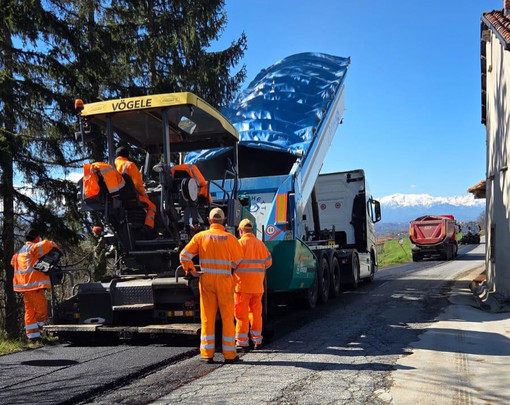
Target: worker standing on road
pixel 32 283
pixel 219 253
pixel 249 286
pixel 124 166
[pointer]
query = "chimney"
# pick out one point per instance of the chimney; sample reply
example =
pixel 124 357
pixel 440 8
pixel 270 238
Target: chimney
pixel 506 7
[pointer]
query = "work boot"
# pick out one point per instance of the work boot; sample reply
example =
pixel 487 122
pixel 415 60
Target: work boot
pixel 240 348
pixel 206 360
pixel 257 347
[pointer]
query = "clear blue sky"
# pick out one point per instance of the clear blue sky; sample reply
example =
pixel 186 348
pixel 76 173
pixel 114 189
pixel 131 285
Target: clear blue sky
pixel 412 118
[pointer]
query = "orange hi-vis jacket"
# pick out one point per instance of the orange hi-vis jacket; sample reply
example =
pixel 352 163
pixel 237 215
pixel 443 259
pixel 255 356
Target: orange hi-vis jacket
pixel 26 278
pixel 113 180
pixel 219 253
pixel 124 166
pixel 195 173
pixel 249 275
pixel 218 250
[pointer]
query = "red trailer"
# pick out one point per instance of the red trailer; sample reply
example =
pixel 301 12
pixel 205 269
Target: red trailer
pixel 433 235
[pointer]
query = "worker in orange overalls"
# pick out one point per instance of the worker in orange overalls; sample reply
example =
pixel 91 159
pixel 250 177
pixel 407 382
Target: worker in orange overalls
pixel 249 286
pixel 32 283
pixel 219 253
pixel 124 166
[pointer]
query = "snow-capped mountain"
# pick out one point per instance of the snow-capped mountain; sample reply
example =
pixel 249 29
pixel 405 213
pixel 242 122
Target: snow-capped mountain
pixel 402 208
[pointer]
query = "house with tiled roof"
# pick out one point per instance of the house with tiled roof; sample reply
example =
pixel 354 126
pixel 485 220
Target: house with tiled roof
pixel 495 81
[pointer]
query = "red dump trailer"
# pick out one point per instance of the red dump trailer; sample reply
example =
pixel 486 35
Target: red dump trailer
pixel 433 235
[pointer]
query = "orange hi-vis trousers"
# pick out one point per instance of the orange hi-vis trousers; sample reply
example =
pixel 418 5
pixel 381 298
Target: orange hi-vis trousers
pixel 150 211
pixel 36 312
pixel 248 310
pixel 216 291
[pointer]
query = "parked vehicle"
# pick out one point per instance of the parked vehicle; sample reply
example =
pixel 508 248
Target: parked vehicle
pixel 433 235
pixel 470 233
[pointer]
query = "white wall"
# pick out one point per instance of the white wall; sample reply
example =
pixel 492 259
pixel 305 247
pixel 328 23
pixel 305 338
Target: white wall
pixel 498 179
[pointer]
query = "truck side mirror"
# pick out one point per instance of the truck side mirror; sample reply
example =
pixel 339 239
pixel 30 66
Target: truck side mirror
pixel 376 211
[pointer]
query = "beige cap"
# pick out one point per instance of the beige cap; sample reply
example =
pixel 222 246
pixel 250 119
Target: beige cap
pixel 216 213
pixel 246 224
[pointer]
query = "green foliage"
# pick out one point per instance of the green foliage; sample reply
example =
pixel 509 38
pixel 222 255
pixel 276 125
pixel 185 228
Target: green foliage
pixel 54 51
pixel 393 253
pixel 15 345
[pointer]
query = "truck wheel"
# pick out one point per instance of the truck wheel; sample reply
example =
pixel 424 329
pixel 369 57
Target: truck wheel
pixel 370 278
pixel 323 279
pixel 334 269
pixel 355 270
pixel 311 295
pixel 416 257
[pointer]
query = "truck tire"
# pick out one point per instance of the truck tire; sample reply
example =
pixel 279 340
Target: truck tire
pixel 334 269
pixel 323 279
pixel 370 278
pixel 311 295
pixel 355 270
pixel 417 257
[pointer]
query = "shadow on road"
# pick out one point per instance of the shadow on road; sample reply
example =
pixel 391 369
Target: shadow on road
pixel 49 363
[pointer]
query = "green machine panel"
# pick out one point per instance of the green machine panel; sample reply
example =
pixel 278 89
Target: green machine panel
pixel 294 266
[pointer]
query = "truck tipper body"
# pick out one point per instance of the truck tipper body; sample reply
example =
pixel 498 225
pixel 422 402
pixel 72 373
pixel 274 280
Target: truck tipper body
pixel 319 228
pixel 434 235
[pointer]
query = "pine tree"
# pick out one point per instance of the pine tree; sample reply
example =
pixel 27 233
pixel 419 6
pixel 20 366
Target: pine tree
pixel 34 135
pixel 166 48
pixel 54 51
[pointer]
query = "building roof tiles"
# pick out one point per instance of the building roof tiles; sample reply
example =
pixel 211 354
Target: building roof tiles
pixel 500 23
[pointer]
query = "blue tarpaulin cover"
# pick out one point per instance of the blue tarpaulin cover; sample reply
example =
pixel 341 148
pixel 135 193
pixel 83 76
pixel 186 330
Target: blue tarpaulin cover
pixel 284 104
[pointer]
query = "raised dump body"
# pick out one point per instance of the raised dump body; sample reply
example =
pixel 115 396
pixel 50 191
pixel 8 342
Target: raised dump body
pixel 287 119
pixel 433 235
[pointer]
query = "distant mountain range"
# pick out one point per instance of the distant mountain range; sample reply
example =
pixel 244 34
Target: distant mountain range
pixel 398 209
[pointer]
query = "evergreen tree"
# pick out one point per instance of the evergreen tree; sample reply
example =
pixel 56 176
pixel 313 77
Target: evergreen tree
pixel 35 135
pixel 166 48
pixel 53 51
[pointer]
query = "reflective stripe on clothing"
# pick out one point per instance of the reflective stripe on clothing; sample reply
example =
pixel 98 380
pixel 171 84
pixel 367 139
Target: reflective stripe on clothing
pixel 207 337
pixel 36 312
pixel 249 275
pixel 124 166
pixel 251 270
pixel 217 250
pixel 25 277
pixel 248 312
pixel 215 271
pixel 112 179
pixel 30 286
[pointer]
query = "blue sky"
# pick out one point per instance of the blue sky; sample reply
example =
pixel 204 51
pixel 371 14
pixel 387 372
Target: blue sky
pixel 412 118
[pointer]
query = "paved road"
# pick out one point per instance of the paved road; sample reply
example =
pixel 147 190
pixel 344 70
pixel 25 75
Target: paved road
pixel 343 353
